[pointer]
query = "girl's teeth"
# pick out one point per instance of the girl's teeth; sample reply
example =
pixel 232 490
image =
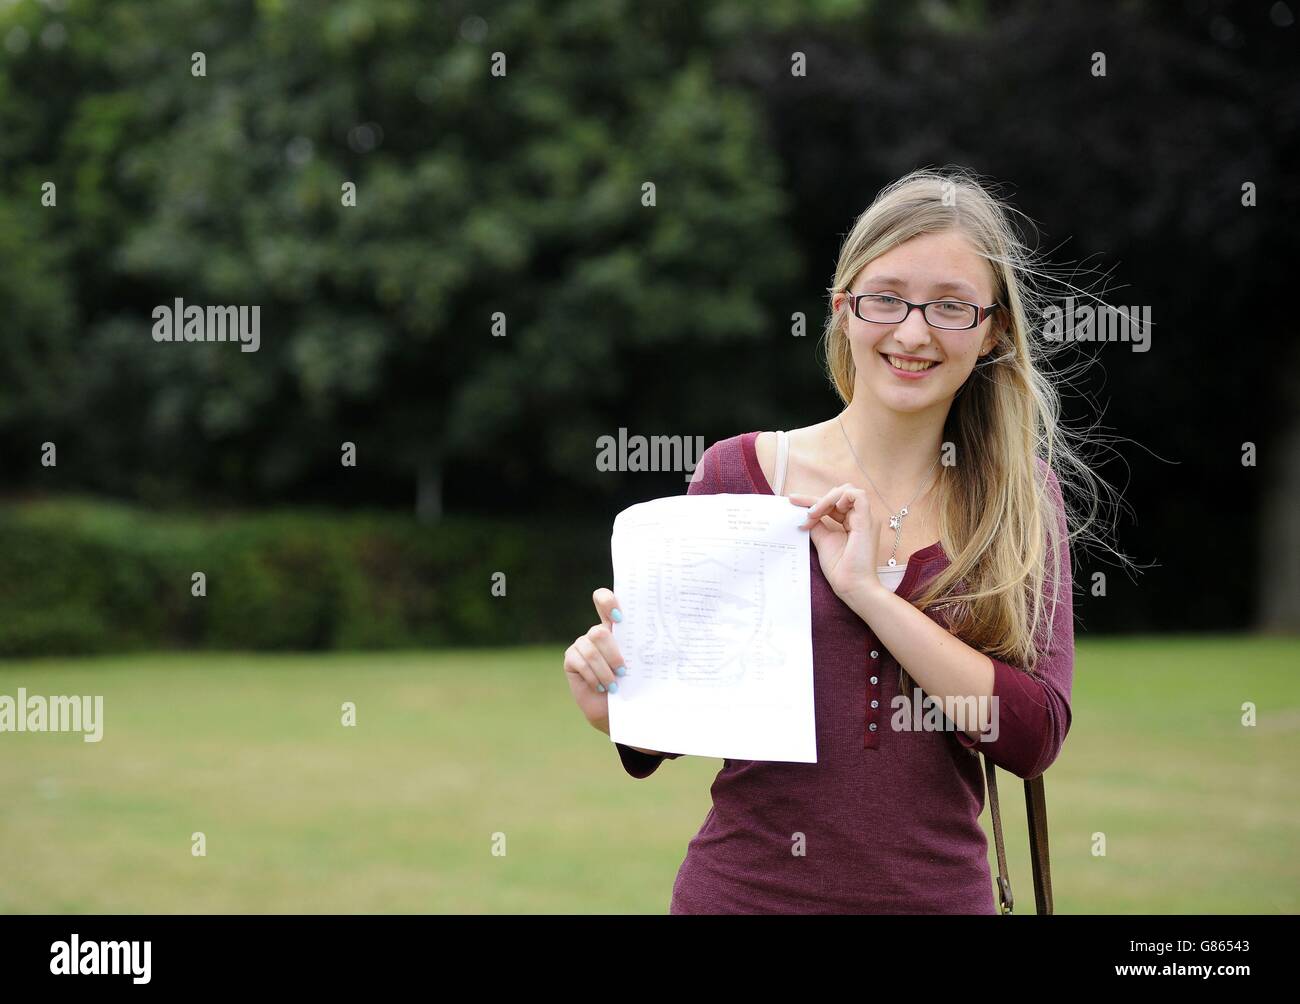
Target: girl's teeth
pixel 911 365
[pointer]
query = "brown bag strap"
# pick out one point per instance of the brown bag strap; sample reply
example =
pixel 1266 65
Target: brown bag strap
pixel 1036 811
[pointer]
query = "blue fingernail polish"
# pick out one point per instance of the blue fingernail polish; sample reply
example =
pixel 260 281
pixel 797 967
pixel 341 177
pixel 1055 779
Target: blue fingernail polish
pixel 613 688
pixel 617 614
pixel 621 671
pixel 600 688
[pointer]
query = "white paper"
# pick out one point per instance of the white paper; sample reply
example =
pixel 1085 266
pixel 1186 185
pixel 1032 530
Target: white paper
pixel 717 628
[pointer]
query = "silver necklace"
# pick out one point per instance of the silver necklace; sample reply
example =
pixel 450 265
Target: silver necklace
pixel 895 520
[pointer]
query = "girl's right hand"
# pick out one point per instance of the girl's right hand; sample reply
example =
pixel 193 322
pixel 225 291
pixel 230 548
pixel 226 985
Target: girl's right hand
pixel 593 665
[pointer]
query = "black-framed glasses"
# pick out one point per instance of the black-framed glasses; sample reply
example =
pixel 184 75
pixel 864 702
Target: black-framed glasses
pixel 953 315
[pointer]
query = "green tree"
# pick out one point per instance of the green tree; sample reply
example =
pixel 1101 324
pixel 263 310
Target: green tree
pixel 519 194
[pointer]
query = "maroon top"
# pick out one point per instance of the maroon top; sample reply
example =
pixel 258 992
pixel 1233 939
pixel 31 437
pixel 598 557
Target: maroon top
pixel 889 819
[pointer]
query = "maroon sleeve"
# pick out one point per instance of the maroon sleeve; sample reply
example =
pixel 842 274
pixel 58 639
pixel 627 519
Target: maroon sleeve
pixel 1033 711
pixel 704 481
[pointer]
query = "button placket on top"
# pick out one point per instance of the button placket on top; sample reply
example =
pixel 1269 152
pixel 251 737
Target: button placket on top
pixel 878 660
pixel 871 726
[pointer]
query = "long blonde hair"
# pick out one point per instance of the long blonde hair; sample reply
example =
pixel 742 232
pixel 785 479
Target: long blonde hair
pixel 1016 463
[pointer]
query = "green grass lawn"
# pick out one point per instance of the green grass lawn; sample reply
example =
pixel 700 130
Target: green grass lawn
pixel 300 814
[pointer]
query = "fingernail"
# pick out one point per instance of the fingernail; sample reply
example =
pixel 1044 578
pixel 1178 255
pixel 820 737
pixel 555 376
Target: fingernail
pixel 617 614
pixel 621 671
pixel 613 688
pixel 600 688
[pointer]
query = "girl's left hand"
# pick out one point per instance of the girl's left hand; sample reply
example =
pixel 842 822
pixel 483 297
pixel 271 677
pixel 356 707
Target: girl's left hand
pixel 846 534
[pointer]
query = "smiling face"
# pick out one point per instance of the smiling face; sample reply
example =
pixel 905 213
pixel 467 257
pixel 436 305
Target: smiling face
pixel 910 366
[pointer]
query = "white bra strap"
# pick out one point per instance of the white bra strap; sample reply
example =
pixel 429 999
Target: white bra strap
pixel 782 459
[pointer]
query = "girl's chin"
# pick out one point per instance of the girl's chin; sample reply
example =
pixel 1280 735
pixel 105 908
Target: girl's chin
pixel 911 396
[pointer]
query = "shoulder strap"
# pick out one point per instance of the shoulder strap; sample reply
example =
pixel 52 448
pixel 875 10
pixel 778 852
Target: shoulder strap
pixel 782 459
pixel 1036 811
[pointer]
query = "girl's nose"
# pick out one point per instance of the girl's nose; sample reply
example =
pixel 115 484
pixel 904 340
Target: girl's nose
pixel 913 332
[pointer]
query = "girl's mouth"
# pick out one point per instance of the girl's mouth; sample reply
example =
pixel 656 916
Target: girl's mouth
pixel 909 369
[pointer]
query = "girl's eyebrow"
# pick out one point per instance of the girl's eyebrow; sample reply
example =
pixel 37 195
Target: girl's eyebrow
pixel 893 280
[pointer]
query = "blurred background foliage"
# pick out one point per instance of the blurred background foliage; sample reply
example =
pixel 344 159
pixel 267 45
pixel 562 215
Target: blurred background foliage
pixel 89 576
pixel 521 195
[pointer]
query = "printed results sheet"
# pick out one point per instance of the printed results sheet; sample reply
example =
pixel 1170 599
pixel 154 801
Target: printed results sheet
pixel 716 630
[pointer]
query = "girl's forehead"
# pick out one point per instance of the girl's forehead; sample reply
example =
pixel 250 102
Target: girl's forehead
pixel 949 247
pixel 946 259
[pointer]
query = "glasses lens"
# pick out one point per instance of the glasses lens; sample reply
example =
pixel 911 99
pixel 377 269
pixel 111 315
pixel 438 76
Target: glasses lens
pixel 950 314
pixel 877 307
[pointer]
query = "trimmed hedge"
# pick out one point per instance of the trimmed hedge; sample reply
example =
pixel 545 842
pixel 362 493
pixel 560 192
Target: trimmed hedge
pixel 80 576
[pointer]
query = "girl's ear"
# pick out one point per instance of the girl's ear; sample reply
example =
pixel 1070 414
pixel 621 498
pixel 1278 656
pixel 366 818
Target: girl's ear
pixel 1000 323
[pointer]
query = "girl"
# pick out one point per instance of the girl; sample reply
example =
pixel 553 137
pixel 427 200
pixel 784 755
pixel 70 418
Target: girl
pixel 941 578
